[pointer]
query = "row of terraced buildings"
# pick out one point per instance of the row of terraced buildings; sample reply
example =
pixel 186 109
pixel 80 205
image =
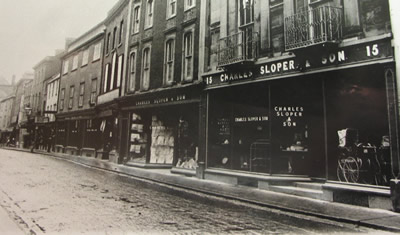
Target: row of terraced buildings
pixel 247 92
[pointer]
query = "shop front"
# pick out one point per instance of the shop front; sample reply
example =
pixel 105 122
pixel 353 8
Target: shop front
pixel 324 117
pixel 270 127
pixel 163 129
pixel 77 133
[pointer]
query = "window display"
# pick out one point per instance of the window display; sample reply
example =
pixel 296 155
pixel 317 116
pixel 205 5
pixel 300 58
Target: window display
pixel 187 151
pixel 239 129
pixel 358 127
pixel 297 126
pixel 138 140
pixel 162 142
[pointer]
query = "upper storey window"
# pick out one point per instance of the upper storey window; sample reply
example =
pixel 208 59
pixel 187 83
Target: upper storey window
pixel 171 8
pixel 246 11
pixel 189 4
pixel 136 19
pixel 149 14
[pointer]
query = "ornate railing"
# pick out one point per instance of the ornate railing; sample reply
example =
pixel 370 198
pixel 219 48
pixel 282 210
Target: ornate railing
pixel 238 48
pixel 311 27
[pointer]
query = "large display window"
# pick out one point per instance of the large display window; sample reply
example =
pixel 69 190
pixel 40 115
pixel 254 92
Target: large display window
pixel 167 136
pixel 298 126
pixel 239 129
pixel 357 121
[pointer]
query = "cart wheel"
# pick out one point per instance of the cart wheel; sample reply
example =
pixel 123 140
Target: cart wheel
pixel 351 169
pixel 339 170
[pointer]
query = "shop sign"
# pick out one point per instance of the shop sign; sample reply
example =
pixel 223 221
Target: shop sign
pixel 252 119
pixel 162 100
pixel 289 114
pixel 277 67
pixel 306 61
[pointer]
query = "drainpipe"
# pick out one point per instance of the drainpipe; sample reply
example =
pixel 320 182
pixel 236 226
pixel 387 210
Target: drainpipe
pixel 394 6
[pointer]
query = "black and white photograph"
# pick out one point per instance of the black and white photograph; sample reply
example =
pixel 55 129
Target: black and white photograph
pixel 199 117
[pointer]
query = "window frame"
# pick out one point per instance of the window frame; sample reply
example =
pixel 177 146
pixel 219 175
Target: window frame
pixel 108 43
pixel 169 60
pixel 85 57
pixel 149 17
pixel 114 66
pixel 136 19
pixel 146 63
pixel 97 52
pixel 106 77
pixel 132 70
pixel 188 59
pixel 272 9
pixel 171 6
pixel 71 97
pixel 242 16
pixel 120 68
pixel 81 94
pixel 189 6
pixel 93 91
pixel 65 67
pixel 62 98
pixel 114 40
pixel 121 31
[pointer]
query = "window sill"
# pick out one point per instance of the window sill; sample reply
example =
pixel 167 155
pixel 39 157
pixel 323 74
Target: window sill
pixel 189 8
pixel 171 17
pixel 96 60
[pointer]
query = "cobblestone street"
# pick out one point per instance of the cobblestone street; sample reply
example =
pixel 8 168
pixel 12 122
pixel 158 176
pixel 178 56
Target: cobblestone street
pixel 47 195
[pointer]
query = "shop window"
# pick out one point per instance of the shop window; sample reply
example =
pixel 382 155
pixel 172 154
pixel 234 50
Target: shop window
pixel 169 61
pixel 62 97
pixel 132 71
pixel 148 21
pixel 358 151
pixel 93 92
pixel 246 12
pixel 277 26
pixel 136 19
pixel 297 120
pixel 71 97
pixel 188 56
pixel 239 130
pixel 138 139
pixel 146 69
pixel 171 8
pixel 81 94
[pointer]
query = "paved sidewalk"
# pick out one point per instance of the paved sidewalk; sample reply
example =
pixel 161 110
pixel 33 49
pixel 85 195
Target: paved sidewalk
pixel 375 218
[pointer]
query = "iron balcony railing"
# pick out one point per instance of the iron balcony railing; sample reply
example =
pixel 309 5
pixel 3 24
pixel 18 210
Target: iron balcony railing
pixel 313 26
pixel 238 48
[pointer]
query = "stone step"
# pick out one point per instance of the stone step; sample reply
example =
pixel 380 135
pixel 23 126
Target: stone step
pixel 315 186
pixel 303 192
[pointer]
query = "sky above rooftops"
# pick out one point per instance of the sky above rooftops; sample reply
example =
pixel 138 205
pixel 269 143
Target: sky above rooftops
pixel 33 29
